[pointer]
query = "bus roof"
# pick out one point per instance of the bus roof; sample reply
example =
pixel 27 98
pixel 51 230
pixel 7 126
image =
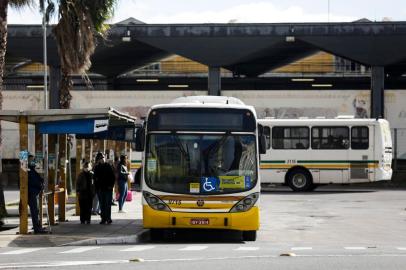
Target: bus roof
pixel 208 99
pixel 332 121
pixel 220 102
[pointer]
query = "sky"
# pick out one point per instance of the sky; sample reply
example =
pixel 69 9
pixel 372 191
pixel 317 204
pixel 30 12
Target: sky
pixel 242 11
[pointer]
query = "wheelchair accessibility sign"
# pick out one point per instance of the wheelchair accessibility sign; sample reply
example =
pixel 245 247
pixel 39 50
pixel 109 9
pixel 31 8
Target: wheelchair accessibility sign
pixel 209 184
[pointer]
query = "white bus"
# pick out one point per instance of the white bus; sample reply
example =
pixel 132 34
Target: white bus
pixel 200 166
pixel 306 153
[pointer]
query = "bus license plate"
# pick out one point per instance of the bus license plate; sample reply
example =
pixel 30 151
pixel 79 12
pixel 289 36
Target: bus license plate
pixel 199 221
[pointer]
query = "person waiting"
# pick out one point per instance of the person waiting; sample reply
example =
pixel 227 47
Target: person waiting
pixel 104 179
pixel 122 182
pixel 85 191
pixel 35 186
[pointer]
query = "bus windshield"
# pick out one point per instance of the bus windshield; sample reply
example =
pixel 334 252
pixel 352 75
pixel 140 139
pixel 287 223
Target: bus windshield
pixel 201 164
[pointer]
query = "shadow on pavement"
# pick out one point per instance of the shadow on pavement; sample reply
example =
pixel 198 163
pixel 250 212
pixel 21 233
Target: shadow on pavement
pixel 177 236
pixel 72 231
pixel 316 192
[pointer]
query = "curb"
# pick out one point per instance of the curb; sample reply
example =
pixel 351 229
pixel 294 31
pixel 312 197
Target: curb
pixel 120 240
pixel 13 203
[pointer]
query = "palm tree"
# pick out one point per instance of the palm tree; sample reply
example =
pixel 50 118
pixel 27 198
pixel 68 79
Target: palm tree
pixel 81 22
pixel 3 43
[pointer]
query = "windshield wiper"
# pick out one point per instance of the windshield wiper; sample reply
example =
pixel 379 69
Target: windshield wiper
pixel 182 149
pixel 213 149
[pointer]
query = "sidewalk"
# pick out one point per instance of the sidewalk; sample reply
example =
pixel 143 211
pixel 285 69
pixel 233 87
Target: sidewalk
pixel 126 228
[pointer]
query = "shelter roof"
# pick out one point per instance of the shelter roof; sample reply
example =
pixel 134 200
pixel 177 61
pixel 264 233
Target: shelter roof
pixel 40 116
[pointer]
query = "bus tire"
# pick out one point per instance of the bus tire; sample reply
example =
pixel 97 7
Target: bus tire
pixel 300 180
pixel 249 235
pixel 156 234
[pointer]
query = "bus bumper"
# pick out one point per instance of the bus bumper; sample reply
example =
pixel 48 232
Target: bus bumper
pixel 243 221
pixel 382 174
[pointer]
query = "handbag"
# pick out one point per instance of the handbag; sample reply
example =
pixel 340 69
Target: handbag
pixel 129 197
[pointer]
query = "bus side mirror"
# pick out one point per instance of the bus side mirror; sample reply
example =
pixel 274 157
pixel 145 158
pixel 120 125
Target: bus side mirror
pixel 262 144
pixel 261 139
pixel 267 134
pixel 139 139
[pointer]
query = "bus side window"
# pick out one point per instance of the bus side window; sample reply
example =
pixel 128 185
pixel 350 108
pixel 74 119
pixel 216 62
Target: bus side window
pixel 267 133
pixel 360 138
pixel 333 137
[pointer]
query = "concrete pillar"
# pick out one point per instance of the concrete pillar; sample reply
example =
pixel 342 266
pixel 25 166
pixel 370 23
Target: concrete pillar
pixel 377 91
pixel 23 177
pixel 214 81
pixel 54 87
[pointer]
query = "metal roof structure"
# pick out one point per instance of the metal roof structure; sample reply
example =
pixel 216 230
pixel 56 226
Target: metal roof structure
pixel 247 49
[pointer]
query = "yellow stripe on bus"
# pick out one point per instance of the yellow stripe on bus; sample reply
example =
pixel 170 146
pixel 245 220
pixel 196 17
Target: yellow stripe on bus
pixel 135 165
pixel 205 198
pixel 205 206
pixel 317 166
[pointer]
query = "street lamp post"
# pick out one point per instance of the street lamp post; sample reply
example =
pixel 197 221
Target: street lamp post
pixel 328 10
pixel 45 136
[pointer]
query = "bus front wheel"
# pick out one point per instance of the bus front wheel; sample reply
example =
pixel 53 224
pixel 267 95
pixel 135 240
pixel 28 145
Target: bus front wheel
pixel 300 180
pixel 249 235
pixel 157 234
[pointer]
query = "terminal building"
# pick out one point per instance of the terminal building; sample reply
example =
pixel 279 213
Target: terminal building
pixel 283 70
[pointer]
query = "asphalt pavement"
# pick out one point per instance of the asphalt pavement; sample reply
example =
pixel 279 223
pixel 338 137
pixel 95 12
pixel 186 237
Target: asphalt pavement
pixel 331 228
pixel 208 256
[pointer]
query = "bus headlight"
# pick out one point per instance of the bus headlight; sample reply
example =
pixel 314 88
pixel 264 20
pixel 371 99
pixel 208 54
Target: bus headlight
pixel 155 203
pixel 245 204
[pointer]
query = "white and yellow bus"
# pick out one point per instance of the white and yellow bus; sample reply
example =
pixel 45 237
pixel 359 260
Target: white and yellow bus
pixel 306 153
pixel 200 165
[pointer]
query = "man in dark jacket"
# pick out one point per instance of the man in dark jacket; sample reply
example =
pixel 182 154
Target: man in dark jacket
pixel 35 186
pixel 104 179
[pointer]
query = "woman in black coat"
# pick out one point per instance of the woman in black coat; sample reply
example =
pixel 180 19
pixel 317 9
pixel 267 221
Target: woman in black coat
pixel 85 191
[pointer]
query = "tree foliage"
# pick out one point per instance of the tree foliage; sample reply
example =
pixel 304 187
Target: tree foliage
pixel 80 23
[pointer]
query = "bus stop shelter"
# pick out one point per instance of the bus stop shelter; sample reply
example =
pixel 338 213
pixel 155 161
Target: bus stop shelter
pixel 101 124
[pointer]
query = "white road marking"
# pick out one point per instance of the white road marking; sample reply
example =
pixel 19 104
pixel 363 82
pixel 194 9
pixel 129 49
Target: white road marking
pixel 271 256
pixel 401 248
pixel 355 248
pixel 301 248
pixel 20 251
pixel 138 248
pixel 193 248
pixel 246 248
pixel 113 262
pixel 79 250
pixel 58 264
